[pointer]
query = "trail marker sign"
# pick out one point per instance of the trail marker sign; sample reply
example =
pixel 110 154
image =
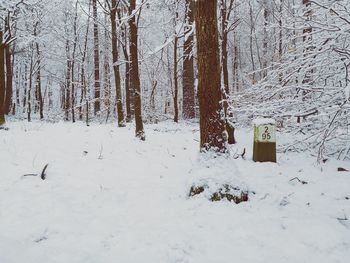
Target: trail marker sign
pixel 264 140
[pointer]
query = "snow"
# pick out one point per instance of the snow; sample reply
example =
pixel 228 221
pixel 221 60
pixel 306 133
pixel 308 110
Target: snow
pixel 110 198
pixel 347 93
pixel 263 121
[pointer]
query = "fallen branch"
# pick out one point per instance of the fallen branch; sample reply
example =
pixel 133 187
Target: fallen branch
pixel 300 181
pixel 43 175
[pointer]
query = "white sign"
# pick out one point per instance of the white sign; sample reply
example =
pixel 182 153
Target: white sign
pixel 265 133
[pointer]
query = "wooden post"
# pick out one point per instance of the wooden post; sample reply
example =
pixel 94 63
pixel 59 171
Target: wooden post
pixel 264 140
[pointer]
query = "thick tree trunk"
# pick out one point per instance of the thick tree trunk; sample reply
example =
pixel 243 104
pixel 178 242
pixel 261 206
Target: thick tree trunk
pixel 2 80
pixel 212 125
pixel 189 102
pixel 97 107
pixel 135 78
pixel 116 69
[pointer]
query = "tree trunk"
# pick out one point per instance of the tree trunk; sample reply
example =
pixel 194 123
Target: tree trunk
pixel 2 80
pixel 97 107
pixel 224 60
pixel 307 41
pixel 29 98
pixel 83 84
pixel 67 103
pixel 116 69
pixel 236 82
pixel 38 91
pixel 176 84
pixel 212 125
pixel 189 102
pixel 128 91
pixel 251 15
pixel 266 37
pixel 73 62
pixel 25 85
pixel 135 78
pixel 9 77
pixel 175 73
pixel 38 85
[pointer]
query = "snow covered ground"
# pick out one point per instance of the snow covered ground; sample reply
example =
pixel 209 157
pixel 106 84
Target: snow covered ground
pixel 111 198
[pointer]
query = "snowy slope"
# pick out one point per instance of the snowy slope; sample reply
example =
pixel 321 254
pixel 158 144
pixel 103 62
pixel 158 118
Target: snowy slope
pixel 111 198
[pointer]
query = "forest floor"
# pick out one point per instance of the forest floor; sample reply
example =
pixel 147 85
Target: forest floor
pixel 108 197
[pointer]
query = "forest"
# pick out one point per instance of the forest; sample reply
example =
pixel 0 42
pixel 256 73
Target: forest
pixel 174 131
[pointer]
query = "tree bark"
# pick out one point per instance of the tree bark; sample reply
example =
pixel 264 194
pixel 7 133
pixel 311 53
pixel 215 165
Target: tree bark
pixel 38 91
pixel 128 91
pixel 97 107
pixel 266 37
pixel 2 80
pixel 9 74
pixel 116 68
pixel 224 60
pixel 212 125
pixel 307 39
pixel 189 102
pixel 176 84
pixel 135 78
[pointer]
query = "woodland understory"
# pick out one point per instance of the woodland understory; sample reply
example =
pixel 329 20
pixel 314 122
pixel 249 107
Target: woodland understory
pixel 122 61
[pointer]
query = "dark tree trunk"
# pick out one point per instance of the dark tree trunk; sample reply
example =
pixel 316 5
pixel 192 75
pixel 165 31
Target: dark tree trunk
pixel 38 91
pixel 38 86
pixel 135 78
pixel 9 72
pixel 97 107
pixel 9 78
pixel 189 101
pixel 29 97
pixel 212 125
pixel 25 86
pixel 116 69
pixel 176 84
pixel 67 103
pixel 2 80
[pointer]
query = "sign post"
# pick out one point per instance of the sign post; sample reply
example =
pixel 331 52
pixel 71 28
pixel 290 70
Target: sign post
pixel 264 140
